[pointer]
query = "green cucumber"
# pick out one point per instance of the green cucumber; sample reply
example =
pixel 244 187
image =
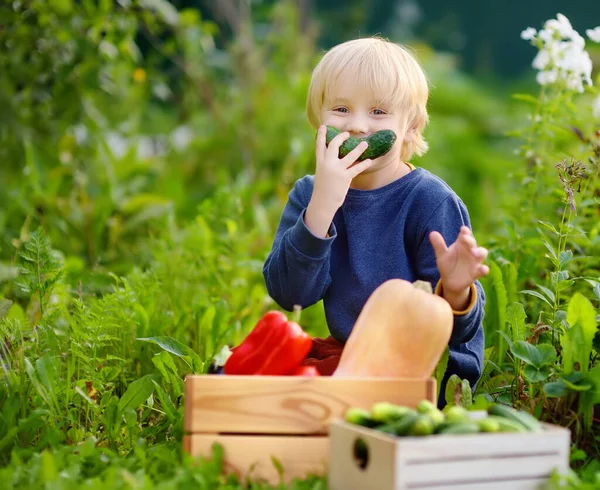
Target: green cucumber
pixel 489 424
pixel 507 425
pixel 460 428
pixel 524 418
pixel 423 426
pixel 385 412
pixel 425 406
pixel 403 426
pixel 359 416
pixel 455 414
pixel 379 143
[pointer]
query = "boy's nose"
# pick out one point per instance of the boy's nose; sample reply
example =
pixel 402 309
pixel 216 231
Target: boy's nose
pixel 357 127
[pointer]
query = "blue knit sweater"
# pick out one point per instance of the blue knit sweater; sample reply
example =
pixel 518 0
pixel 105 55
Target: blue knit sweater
pixel 375 235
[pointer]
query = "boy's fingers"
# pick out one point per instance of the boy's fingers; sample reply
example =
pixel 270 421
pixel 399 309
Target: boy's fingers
pixel 360 167
pixel 480 252
pixel 484 270
pixel 335 143
pixel 321 139
pixel 351 157
pixel 437 242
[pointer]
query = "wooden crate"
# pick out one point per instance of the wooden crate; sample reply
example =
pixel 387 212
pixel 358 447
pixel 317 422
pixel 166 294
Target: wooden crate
pixel 285 417
pixel 500 461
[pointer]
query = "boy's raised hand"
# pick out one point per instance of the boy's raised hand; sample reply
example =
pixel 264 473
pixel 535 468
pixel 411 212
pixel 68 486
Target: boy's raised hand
pixel 333 175
pixel 461 263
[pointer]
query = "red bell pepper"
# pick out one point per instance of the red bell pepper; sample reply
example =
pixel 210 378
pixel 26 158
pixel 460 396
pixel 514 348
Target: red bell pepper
pixel 275 347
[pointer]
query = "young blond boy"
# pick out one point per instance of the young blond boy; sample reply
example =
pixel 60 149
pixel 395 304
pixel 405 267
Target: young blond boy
pixel 353 225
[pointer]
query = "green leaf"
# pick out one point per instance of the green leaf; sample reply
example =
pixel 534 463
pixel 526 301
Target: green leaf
pixel 440 370
pixel 562 285
pixel 497 311
pixel 165 402
pixel 565 257
pixel 555 389
pixel 553 258
pixel 590 398
pixel 178 349
pixel 535 374
pixel 5 305
pixel 509 275
pixel 451 388
pixel 137 393
pixel 526 98
pixel 537 295
pixel 466 394
pixel 515 315
pixel 534 355
pixel 578 342
pixel 549 294
pixel 550 226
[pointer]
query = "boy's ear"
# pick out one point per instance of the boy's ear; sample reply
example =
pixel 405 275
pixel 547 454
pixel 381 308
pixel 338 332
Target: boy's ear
pixel 409 135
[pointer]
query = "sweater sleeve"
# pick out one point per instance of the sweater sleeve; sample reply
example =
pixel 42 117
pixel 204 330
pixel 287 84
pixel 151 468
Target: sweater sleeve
pixel 466 342
pixel 296 270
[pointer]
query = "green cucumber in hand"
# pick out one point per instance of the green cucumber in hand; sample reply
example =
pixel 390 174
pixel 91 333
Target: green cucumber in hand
pixel 379 143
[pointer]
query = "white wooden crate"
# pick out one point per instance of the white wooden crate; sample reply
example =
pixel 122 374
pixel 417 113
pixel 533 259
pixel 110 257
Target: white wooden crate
pixel 499 461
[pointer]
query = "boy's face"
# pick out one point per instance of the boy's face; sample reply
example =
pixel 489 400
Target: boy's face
pixel 357 111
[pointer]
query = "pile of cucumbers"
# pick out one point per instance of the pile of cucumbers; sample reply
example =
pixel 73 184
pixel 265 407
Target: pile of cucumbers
pixel 427 419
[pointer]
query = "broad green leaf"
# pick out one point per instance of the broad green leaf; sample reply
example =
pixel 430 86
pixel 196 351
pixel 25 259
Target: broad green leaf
pixel 535 374
pixel 572 343
pixel 582 314
pixel 509 274
pixel 495 316
pixel 537 295
pixel 589 399
pixel 555 389
pixel 466 394
pixel 440 370
pixel 534 355
pixel 452 386
pixel 515 315
pixel 137 393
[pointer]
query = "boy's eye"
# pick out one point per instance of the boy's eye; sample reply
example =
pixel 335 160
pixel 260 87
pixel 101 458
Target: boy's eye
pixel 341 109
pixel 379 112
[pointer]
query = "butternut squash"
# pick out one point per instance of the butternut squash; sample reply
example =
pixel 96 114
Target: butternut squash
pixel 402 331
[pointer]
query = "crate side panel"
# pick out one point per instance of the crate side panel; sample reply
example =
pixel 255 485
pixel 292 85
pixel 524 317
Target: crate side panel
pixel 250 456
pixel 286 404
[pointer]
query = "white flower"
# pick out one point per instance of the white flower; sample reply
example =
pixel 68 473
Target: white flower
pixel 562 56
pixel 547 77
pixel 560 25
pixel 594 34
pixel 596 107
pixel 528 34
pixel 541 60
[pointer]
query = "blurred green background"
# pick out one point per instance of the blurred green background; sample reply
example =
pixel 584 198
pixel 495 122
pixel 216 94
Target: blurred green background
pixel 119 118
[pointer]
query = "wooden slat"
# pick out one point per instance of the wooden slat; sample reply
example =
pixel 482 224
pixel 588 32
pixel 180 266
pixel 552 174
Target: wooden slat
pixel 300 456
pixel 288 404
pixel 479 470
pixel 521 484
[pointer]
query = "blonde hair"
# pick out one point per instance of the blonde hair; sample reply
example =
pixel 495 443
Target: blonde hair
pixel 387 69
